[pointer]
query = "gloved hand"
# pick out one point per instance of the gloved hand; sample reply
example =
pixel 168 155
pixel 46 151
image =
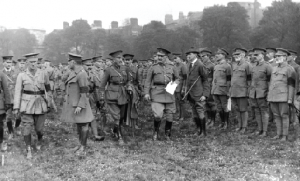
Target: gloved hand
pixel 98 105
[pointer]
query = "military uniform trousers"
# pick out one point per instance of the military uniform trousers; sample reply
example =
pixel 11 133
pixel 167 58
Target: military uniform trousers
pixel 261 110
pixel 2 117
pixel 210 103
pixel 281 116
pixel 159 109
pixel 240 105
pixel 117 112
pixel 33 120
pixel 221 102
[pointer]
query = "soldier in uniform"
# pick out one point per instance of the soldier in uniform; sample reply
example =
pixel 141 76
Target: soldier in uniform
pixel 293 116
pixel 159 75
pixel 76 108
pixel 94 95
pixel 240 81
pixel 115 94
pixel 5 104
pixel 31 98
pixel 99 66
pixel 211 109
pixel 179 92
pixel 22 64
pixel 11 77
pixel 221 85
pixel 260 79
pixel 197 87
pixel 281 92
pixel 132 112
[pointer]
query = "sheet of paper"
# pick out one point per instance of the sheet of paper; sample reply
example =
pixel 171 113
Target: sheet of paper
pixel 171 87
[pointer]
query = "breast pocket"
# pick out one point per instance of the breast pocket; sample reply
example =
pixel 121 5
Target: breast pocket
pixel 240 72
pixel 262 74
pixel 220 73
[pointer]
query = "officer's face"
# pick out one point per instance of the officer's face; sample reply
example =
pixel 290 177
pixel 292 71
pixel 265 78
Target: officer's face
pixel 280 58
pixel 161 58
pixel 128 61
pixel 21 64
pixel 71 64
pixel 204 57
pixel 290 58
pixel 155 57
pixel 257 57
pixel 32 64
pixel 270 55
pixel 8 64
pixel 191 56
pixel 219 56
pixel 88 66
pixel 119 60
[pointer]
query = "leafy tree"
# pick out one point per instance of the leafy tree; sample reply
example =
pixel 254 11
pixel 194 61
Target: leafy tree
pixel 96 42
pixel 116 42
pixel 77 35
pixel 226 27
pixel 279 26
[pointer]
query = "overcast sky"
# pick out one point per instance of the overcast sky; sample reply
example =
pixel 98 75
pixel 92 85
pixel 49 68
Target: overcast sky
pixel 50 14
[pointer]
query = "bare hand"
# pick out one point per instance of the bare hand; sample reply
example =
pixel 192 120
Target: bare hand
pixel 16 111
pixel 147 97
pixel 203 98
pixel 77 110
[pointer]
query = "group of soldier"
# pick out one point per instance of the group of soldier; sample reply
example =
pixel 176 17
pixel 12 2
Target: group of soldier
pixel 261 82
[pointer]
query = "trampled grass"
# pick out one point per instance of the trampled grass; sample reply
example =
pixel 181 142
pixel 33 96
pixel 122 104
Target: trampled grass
pixel 222 155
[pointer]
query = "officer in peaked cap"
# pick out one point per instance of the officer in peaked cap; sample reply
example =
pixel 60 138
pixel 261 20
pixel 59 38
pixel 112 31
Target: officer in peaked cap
pixel 210 103
pixel 240 81
pixel 160 74
pixel 94 96
pixel 179 92
pixel 281 92
pixel 22 64
pixel 31 98
pixel 221 84
pixel 291 60
pixel 261 74
pixel 76 108
pixel 5 104
pixel 115 93
pixel 11 74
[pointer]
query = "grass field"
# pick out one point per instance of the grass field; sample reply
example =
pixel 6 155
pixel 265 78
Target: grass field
pixel 222 155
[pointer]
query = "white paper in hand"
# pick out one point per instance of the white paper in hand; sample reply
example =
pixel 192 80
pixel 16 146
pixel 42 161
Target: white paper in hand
pixel 171 87
pixel 229 104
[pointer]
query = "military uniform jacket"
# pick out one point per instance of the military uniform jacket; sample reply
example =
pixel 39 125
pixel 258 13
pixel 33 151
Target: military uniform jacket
pixel 282 83
pixel 297 74
pixel 260 79
pixel 76 96
pixel 241 74
pixel 221 79
pixel 209 67
pixel 11 81
pixel 133 75
pixel 94 87
pixel 182 71
pixel 159 75
pixel 35 102
pixel 4 93
pixel 201 87
pixel 117 78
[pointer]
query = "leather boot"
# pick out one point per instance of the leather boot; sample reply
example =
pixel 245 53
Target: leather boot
pixel 157 122
pixel 168 128
pixel 28 154
pixel 203 129
pixel 84 137
pixel 39 141
pixel 221 114
pixel 198 126
pixel 208 113
pixel 94 126
pixel 10 129
pixel 284 138
pixel 213 118
pixel 225 117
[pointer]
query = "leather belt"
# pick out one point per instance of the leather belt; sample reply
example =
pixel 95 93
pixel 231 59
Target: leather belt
pixel 113 83
pixel 33 92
